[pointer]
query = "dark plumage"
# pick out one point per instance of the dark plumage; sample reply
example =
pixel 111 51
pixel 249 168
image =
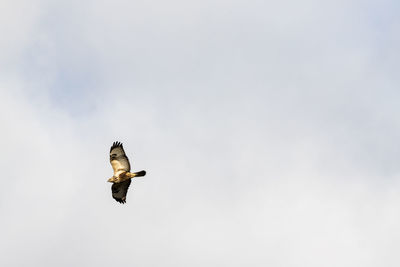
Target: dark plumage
pixel 119 190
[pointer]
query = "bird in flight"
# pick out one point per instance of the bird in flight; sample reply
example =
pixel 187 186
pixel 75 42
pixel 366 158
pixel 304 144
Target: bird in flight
pixel 122 175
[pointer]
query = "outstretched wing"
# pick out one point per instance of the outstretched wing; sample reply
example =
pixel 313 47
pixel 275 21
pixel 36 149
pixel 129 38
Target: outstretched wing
pixel 119 161
pixel 119 190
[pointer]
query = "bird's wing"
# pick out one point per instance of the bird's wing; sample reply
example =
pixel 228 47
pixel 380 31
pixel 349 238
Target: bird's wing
pixel 119 190
pixel 119 161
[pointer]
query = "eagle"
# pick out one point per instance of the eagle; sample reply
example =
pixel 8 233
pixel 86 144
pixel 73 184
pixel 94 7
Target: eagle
pixel 122 175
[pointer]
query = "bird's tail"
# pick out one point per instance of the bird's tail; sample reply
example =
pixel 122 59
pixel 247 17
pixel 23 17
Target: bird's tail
pixel 136 174
pixel 141 173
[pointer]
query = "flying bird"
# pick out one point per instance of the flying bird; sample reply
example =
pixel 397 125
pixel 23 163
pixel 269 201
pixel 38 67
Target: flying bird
pixel 122 175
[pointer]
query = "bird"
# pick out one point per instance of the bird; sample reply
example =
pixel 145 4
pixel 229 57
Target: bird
pixel 122 175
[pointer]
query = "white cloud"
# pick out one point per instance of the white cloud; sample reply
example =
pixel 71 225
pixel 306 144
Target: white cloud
pixel 268 131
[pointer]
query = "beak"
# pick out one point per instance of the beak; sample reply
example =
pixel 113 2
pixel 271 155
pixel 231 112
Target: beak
pixel 110 180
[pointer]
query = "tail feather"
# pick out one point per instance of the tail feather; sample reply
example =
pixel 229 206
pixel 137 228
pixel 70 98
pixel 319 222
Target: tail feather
pixel 136 174
pixel 141 173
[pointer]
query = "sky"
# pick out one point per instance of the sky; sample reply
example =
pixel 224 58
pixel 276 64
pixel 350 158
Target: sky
pixel 268 130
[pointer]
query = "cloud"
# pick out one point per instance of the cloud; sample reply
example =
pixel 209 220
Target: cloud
pixel 268 131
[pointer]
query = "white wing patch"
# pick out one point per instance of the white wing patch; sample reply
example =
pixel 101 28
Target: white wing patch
pixel 118 167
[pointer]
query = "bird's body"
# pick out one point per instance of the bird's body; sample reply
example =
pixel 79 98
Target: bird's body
pixel 122 176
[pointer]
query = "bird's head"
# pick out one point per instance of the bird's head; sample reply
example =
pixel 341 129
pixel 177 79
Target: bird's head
pixel 112 179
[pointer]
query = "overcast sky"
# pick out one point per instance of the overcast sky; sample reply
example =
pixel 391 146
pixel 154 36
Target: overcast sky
pixel 269 131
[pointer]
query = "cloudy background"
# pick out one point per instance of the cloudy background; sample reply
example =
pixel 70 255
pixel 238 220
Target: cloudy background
pixel 269 131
